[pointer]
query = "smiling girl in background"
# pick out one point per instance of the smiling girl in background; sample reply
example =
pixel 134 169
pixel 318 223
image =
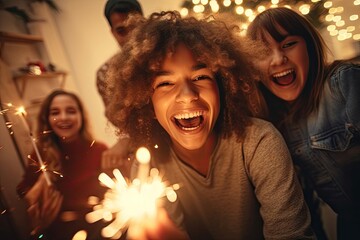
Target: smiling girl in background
pixel 316 106
pixel 73 165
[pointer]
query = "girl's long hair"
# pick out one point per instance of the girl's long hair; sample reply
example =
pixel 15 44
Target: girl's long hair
pixel 309 99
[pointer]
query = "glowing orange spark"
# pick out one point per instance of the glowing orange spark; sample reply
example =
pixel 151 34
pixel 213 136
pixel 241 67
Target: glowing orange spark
pixel 128 206
pixel 4 111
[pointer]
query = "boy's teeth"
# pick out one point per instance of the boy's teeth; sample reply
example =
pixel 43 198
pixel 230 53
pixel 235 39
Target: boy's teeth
pixel 188 115
pixel 190 128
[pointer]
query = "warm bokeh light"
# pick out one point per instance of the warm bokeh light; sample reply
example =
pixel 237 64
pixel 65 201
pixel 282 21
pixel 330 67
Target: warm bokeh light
pixel 321 13
pixel 80 235
pixel 328 4
pixel 143 155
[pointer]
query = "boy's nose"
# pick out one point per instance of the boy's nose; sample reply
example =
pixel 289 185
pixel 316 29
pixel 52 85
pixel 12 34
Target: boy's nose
pixel 187 92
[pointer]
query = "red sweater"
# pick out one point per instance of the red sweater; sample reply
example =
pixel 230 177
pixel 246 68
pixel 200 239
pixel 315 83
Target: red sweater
pixel 81 166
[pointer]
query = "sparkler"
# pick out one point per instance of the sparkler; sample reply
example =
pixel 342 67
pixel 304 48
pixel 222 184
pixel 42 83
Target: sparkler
pixel 129 206
pixel 22 113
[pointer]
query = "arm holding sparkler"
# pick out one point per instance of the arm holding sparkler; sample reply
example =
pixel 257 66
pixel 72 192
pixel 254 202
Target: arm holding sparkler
pixel 44 203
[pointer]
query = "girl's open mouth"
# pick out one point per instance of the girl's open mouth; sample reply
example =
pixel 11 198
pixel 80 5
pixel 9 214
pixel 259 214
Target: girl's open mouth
pixel 284 78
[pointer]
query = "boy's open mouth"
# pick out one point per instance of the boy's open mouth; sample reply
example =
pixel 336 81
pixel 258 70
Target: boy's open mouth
pixel 284 78
pixel 189 121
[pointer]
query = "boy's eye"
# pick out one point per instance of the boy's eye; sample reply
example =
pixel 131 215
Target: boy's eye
pixel 202 77
pixel 121 30
pixel 161 84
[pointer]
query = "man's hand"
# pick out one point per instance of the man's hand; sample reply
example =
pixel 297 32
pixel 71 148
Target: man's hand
pixel 118 157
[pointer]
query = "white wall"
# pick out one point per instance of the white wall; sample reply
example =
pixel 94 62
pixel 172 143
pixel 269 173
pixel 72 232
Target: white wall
pixel 88 43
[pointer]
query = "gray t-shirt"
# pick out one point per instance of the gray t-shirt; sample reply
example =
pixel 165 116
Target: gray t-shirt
pixel 250 192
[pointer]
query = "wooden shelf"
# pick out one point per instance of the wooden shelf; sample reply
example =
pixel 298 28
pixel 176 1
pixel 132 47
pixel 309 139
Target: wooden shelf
pixel 22 80
pixel 19 38
pixel 43 75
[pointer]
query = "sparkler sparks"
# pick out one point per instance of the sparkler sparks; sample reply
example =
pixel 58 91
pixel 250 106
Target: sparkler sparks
pixel 92 143
pixel 43 167
pixel 22 113
pixel 128 206
pixel 4 111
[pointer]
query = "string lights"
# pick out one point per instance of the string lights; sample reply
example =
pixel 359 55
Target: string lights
pixel 340 25
pixel 330 14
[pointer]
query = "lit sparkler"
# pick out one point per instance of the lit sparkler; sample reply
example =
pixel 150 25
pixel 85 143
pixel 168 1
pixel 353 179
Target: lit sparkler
pixel 129 206
pixel 4 111
pixel 22 113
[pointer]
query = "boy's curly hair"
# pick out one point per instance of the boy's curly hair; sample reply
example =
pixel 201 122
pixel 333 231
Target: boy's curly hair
pixel 212 42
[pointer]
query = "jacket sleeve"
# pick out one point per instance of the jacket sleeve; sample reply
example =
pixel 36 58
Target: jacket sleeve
pixel 347 81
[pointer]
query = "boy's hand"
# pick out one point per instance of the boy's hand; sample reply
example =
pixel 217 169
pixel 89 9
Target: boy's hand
pixel 117 157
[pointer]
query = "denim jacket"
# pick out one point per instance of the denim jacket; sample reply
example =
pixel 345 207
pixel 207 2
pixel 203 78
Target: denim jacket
pixel 328 141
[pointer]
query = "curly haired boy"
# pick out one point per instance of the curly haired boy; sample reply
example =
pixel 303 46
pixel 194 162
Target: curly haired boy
pixel 185 86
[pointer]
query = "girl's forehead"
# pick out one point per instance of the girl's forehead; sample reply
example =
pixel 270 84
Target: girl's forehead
pixel 63 100
pixel 276 32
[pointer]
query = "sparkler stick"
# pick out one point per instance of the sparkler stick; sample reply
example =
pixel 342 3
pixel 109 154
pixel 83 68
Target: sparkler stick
pixel 143 157
pixel 22 113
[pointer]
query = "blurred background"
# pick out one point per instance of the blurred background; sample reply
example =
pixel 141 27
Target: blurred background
pixel 64 42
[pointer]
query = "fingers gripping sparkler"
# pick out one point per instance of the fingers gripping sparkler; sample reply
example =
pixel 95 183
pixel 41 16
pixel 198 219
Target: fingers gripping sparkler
pixel 129 206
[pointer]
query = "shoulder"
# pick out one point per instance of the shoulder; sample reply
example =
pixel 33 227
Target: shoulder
pixel 344 71
pixel 262 138
pixel 344 81
pixel 260 128
pixel 105 66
